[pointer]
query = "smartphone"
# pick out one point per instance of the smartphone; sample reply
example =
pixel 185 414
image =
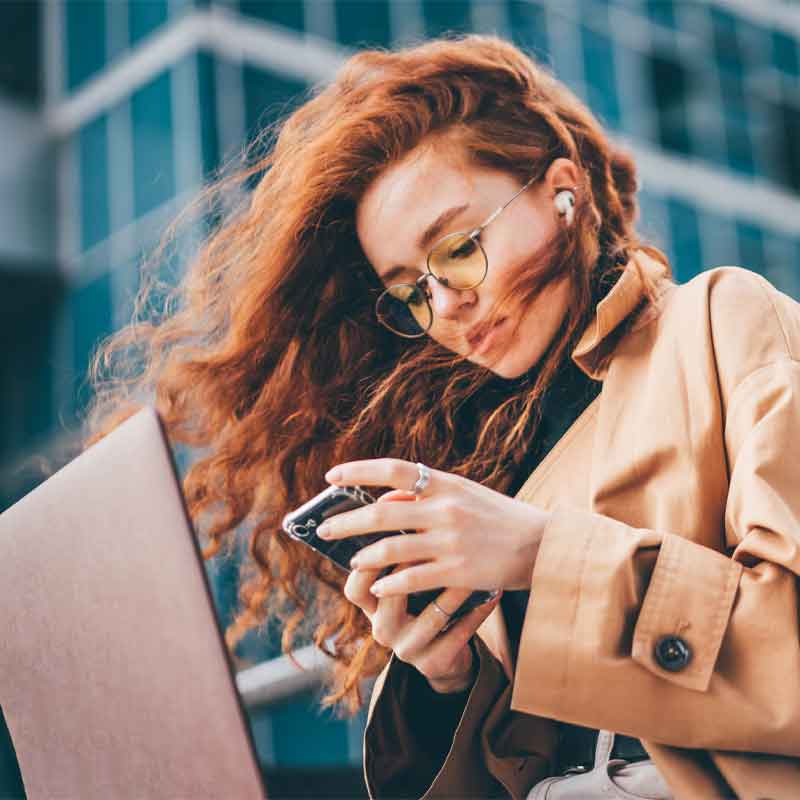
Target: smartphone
pixel 302 525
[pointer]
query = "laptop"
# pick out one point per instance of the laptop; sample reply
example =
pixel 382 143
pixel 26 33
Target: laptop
pixel 114 677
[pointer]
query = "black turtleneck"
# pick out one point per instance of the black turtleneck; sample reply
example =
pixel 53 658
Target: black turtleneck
pixel 566 398
pixel 434 716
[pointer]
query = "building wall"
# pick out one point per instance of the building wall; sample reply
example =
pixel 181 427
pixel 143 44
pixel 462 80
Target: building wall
pixel 144 100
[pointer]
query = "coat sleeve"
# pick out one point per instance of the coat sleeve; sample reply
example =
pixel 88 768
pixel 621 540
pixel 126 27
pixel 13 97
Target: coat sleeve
pixel 493 751
pixel 650 634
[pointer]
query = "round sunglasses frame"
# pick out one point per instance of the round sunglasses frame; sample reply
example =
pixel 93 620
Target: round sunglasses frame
pixel 421 282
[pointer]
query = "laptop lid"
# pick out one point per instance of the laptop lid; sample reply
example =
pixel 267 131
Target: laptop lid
pixel 114 678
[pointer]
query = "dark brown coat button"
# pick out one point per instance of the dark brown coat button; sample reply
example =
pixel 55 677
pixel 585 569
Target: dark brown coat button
pixel 672 653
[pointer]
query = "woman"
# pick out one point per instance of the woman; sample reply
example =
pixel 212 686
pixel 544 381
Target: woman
pixel 436 287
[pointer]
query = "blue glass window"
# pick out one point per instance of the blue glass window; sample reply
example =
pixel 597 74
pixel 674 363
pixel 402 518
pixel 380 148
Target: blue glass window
pixel 785 156
pixel 785 53
pixel 662 12
pixel 28 301
pixel 740 146
pixel 209 135
pixel 750 239
pixel 299 719
pixel 529 28
pixel 737 123
pixel 85 34
pixel 93 182
pixel 144 16
pixel 223 578
pixel 35 356
pixel 362 23
pixel 727 45
pixel 178 7
pixel 442 16
pixel 21 77
pixel 162 275
pixel 670 87
pixel 91 321
pixel 153 159
pixel 686 253
pixel 223 573
pixel 288 13
pixel 600 75
pixel 782 262
pixel 652 223
pixel 268 97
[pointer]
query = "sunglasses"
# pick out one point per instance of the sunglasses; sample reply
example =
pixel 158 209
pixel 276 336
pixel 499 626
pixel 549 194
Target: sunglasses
pixel 457 261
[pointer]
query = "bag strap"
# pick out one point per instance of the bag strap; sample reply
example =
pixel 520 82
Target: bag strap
pixel 602 752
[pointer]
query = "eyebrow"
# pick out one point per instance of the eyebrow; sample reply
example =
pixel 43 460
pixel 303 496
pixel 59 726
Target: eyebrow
pixel 428 237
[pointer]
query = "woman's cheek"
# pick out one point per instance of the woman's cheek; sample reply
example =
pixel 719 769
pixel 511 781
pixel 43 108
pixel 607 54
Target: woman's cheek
pixel 446 336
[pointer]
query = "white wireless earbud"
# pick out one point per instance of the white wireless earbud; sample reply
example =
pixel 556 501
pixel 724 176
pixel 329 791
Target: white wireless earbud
pixel 565 204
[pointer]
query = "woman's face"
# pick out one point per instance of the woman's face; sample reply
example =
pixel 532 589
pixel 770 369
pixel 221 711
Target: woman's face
pixel 412 194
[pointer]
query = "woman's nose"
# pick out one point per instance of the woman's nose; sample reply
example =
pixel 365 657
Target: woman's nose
pixel 446 301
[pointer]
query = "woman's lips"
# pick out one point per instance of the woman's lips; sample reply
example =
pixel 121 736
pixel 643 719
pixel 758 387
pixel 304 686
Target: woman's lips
pixel 487 341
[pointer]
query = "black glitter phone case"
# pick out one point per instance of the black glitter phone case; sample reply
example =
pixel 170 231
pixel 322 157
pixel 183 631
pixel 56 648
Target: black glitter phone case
pixel 302 525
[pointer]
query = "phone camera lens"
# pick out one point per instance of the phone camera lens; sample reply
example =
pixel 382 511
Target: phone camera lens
pixel 301 531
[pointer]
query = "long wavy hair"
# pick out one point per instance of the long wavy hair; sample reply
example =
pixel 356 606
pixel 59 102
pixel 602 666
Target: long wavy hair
pixel 268 356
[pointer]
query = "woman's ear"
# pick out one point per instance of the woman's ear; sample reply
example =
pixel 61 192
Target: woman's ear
pixel 561 174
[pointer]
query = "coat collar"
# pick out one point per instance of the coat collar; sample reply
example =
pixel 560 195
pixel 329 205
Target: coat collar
pixel 640 271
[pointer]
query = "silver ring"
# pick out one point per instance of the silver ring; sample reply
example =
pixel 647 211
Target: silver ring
pixel 423 480
pixel 440 609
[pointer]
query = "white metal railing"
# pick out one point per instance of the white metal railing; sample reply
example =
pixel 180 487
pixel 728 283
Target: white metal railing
pixel 278 678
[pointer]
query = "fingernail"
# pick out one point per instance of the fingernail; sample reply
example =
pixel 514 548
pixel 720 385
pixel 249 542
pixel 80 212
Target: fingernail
pixel 376 589
pixel 324 530
pixel 333 474
pixel 354 562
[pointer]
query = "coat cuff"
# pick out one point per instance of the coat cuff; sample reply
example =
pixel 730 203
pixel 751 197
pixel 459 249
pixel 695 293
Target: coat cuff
pixel 604 594
pixel 687 577
pixel 392 757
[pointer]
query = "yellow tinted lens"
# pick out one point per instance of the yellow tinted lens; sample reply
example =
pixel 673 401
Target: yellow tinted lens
pixel 404 308
pixel 458 261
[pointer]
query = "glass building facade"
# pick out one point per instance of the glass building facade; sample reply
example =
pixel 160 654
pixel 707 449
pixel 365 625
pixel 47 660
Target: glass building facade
pixel 143 100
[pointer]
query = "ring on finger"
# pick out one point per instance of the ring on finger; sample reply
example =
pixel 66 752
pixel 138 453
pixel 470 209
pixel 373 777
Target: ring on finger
pixel 423 480
pixel 440 609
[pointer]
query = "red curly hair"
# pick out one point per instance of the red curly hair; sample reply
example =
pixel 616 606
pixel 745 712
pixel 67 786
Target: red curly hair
pixel 269 356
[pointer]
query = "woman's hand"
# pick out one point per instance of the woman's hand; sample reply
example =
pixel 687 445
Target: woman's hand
pixel 467 536
pixel 445 659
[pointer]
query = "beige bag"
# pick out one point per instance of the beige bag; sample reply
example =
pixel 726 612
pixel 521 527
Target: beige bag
pixel 610 778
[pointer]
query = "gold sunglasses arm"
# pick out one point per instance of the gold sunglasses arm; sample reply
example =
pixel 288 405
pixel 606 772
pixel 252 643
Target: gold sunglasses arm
pixel 496 213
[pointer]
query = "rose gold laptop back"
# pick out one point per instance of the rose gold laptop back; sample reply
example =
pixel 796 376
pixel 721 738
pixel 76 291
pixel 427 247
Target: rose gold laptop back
pixel 113 675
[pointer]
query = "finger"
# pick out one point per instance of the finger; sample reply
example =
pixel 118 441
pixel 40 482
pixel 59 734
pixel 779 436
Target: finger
pixel 356 589
pixel 390 616
pixel 446 647
pixel 429 624
pixel 397 494
pixel 394 608
pixel 430 575
pixel 399 550
pixel 377 518
pixel 394 472
pixel 419 631
pixel 463 628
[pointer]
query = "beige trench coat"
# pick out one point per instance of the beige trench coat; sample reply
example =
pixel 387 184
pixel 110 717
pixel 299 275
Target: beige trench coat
pixel 676 513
